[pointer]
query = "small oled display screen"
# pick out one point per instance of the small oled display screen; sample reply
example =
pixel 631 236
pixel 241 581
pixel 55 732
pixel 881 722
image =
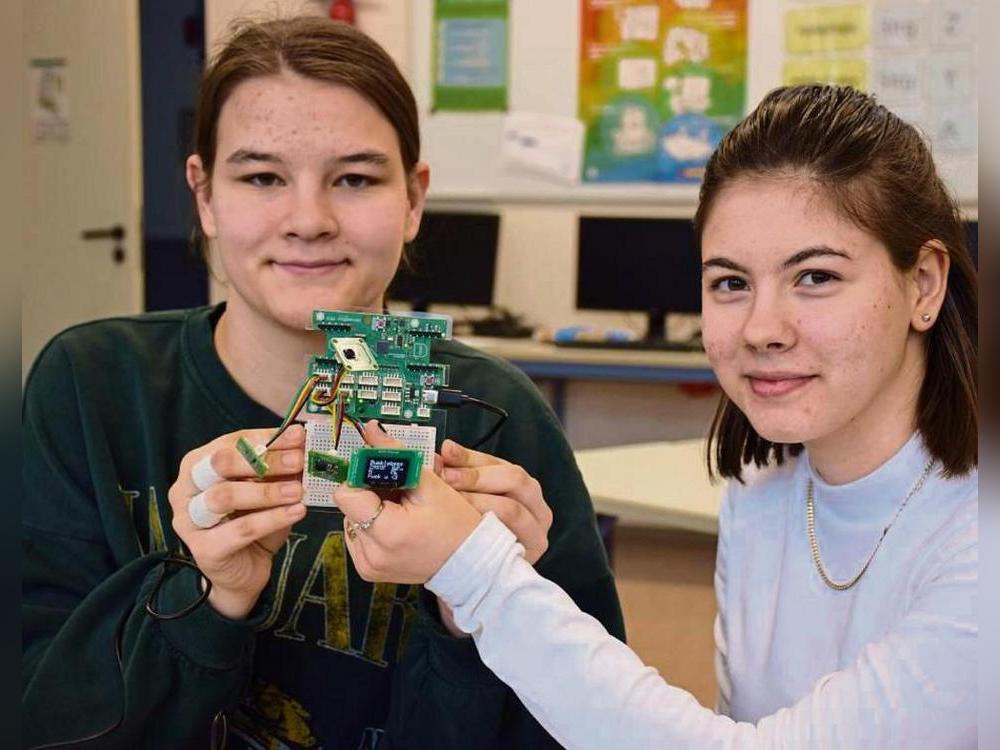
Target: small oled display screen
pixel 386 472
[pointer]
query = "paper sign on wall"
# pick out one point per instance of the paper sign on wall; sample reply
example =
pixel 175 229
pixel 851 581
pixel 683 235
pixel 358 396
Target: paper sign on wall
pixel 826 29
pixel 470 65
pixel 544 144
pixel 661 81
pixel 49 99
pixel 843 72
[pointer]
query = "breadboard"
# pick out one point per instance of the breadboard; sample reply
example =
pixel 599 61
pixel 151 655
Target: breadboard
pixel 319 437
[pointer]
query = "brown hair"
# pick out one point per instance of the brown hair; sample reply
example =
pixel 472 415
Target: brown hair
pixel 314 47
pixel 878 172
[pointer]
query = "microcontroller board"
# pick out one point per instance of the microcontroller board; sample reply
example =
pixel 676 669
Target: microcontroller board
pixel 383 362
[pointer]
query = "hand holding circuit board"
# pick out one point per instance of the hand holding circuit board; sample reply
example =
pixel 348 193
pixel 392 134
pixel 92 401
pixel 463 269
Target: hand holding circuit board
pixel 406 542
pixel 373 366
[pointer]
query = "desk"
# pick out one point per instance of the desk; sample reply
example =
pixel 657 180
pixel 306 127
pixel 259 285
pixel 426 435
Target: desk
pixel 544 360
pixel 659 485
pixel 549 362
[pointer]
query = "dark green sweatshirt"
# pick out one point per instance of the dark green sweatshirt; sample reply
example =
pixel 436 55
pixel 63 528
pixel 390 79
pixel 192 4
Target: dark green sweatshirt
pixel 325 659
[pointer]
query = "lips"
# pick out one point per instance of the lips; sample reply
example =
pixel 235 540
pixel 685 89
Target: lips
pixel 775 384
pixel 309 267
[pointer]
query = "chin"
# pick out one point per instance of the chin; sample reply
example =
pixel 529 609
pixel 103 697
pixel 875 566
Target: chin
pixel 780 428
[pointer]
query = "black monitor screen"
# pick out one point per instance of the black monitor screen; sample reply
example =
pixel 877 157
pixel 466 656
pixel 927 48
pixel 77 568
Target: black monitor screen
pixel 452 261
pixel 638 264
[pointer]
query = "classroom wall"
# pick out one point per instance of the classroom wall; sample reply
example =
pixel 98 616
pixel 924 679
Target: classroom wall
pixel 536 268
pixel 537 263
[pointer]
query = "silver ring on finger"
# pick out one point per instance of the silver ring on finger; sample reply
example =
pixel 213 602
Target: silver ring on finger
pixel 200 514
pixel 356 526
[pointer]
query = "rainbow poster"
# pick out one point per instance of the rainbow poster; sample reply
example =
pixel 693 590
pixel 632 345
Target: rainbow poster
pixel 661 81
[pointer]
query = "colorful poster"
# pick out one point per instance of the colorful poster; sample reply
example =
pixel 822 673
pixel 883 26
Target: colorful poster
pixel 661 81
pixel 470 56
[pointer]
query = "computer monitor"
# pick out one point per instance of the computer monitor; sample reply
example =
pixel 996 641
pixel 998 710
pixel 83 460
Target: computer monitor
pixel 452 261
pixel 645 265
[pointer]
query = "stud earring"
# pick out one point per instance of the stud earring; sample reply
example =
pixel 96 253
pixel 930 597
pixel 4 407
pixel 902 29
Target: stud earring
pixel 926 317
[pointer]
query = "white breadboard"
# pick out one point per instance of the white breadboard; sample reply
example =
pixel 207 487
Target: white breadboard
pixel 319 437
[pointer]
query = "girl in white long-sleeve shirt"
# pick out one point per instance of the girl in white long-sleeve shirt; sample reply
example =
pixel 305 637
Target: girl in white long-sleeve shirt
pixel 839 313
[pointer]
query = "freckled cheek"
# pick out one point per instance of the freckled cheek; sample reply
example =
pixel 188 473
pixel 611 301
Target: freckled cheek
pixel 720 334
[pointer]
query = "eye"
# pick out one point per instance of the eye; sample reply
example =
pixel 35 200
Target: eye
pixel 816 278
pixel 355 180
pixel 263 179
pixel 729 284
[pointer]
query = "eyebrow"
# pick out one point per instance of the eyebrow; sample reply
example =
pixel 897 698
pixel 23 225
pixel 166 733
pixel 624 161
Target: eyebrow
pixel 819 251
pixel 246 155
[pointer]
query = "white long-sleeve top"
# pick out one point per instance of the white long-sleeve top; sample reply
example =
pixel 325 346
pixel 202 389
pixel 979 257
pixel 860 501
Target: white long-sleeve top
pixel 889 663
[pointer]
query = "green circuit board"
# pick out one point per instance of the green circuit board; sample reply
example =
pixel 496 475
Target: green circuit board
pixel 386 359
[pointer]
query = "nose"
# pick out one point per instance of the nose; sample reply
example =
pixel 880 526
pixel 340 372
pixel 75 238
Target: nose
pixel 768 326
pixel 311 215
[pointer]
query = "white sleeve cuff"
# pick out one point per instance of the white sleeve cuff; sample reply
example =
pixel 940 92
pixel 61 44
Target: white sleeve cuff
pixel 466 576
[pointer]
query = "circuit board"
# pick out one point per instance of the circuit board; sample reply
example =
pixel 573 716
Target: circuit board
pixel 385 359
pixel 327 464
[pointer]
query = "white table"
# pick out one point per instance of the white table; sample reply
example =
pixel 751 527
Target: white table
pixel 659 485
pixel 560 365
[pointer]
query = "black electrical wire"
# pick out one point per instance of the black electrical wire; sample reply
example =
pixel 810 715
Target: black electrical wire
pixel 185 611
pixel 499 411
pixel 219 725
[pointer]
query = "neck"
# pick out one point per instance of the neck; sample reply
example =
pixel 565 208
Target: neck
pixel 266 359
pixel 879 431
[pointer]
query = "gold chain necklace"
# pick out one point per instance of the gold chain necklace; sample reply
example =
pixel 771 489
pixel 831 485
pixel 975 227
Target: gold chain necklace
pixel 814 545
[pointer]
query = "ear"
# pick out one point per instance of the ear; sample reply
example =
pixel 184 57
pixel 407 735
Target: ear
pixel 416 193
pixel 200 184
pixel 931 277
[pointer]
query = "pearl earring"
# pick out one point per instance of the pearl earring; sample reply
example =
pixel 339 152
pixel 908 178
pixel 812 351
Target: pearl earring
pixel 926 317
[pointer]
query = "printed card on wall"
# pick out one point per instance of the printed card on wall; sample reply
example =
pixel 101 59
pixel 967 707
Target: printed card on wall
pixel 918 58
pixel 470 58
pixel 661 81
pixel 49 100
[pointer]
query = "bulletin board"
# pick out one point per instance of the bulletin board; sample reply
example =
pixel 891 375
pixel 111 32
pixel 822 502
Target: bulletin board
pixel 464 149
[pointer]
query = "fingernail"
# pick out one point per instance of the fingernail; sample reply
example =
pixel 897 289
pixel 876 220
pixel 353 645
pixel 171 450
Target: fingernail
pixel 452 475
pixel 296 510
pixel 290 460
pixel 290 489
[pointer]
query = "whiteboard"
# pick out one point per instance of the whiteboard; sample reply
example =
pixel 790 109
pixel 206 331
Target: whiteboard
pixel 464 148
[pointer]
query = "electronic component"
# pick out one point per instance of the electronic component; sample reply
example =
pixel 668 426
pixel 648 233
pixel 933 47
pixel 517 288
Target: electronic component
pixel 253 456
pixel 353 354
pixel 387 360
pixel 318 490
pixel 327 466
pixel 385 468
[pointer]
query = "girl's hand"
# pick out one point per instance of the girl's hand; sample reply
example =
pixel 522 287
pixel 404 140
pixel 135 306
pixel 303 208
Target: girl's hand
pixel 410 540
pixel 236 554
pixel 490 483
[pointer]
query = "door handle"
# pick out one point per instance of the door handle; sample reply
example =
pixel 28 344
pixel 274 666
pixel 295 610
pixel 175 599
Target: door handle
pixel 115 232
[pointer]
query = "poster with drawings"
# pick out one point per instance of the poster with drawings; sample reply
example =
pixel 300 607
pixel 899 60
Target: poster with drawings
pixel 918 58
pixel 661 81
